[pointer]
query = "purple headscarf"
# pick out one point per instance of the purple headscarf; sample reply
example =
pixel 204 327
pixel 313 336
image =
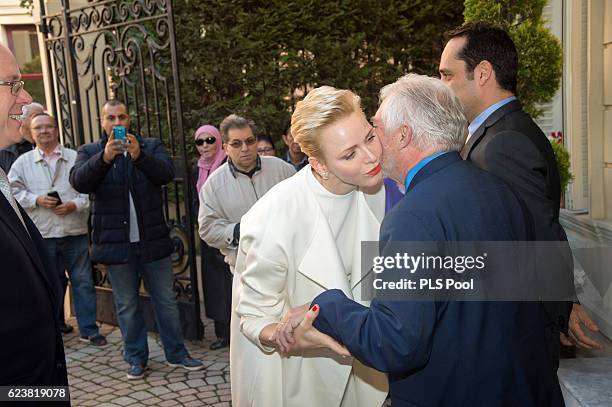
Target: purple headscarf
pixel 207 166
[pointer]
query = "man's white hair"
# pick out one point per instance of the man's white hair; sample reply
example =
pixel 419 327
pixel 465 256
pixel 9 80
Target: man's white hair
pixel 429 108
pixel 27 110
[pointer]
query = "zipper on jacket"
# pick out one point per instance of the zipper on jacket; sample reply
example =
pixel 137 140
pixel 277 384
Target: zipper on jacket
pixel 254 190
pixel 141 235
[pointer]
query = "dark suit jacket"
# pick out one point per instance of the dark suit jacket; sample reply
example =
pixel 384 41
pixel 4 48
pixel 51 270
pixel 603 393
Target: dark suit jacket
pixel 31 347
pixel 448 353
pixel 510 145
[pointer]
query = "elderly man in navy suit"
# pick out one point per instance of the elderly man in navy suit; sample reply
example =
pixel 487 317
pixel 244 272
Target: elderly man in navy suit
pixel 440 353
pixel 31 348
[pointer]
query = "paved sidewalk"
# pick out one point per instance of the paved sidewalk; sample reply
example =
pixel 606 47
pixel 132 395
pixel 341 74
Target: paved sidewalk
pixel 97 375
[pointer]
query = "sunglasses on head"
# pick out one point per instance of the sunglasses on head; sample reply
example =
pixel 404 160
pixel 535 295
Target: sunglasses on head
pixel 207 140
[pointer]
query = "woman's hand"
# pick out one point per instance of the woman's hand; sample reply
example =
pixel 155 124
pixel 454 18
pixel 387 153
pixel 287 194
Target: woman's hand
pixel 304 336
pixel 284 330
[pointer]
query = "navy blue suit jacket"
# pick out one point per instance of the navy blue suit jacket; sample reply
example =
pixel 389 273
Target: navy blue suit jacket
pixel 450 353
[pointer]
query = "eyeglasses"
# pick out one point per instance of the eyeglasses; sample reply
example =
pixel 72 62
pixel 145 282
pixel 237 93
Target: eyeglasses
pixel 265 150
pixel 207 140
pixel 16 86
pixel 238 143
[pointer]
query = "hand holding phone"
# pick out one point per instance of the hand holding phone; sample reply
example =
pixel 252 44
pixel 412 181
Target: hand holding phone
pixel 116 144
pixel 55 194
pixel 49 201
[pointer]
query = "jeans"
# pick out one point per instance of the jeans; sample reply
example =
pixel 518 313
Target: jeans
pixel 159 281
pixel 72 253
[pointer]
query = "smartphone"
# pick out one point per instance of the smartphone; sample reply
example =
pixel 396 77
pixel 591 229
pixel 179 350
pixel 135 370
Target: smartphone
pixel 55 195
pixel 119 132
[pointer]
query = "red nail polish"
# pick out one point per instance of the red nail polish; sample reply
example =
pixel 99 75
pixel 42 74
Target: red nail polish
pixel 315 308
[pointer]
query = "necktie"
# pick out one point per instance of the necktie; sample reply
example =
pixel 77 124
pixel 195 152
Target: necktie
pixel 5 187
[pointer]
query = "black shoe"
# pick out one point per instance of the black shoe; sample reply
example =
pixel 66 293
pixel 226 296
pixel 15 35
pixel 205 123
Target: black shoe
pixel 219 343
pixel 65 328
pixel 96 340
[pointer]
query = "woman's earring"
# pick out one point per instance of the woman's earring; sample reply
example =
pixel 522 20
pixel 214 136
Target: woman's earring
pixel 325 175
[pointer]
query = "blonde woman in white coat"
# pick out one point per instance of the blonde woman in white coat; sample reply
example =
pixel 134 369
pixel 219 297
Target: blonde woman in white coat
pixel 301 238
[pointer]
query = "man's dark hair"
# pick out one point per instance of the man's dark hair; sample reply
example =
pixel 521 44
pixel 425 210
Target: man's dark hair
pixel 233 121
pixel 490 42
pixel 266 138
pixel 113 102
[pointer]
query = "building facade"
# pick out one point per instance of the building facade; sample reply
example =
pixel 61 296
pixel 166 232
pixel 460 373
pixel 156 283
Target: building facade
pixel 582 112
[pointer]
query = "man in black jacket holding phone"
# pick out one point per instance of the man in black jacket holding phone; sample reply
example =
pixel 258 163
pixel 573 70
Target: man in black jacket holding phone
pixel 124 177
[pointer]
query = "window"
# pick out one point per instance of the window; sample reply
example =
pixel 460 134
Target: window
pixel 23 43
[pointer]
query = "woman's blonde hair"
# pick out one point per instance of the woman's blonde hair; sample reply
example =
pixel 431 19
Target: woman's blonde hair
pixel 321 107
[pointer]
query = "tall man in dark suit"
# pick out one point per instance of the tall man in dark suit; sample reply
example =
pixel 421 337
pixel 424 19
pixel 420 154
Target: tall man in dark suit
pixel 480 64
pixel 440 353
pixel 31 348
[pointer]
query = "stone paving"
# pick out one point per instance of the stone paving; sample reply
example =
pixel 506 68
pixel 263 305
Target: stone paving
pixel 97 375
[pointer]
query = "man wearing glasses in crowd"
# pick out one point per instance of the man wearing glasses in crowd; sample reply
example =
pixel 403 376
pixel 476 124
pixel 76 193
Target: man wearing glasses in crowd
pixel 236 185
pixel 265 146
pixel 232 189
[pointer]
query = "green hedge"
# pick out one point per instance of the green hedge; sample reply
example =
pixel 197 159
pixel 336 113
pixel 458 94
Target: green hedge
pixel 258 58
pixel 563 164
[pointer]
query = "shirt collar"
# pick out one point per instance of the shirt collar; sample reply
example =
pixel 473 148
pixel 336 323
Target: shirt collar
pixel 301 163
pixel 249 174
pixel 12 149
pixel 41 155
pixel 484 115
pixel 414 170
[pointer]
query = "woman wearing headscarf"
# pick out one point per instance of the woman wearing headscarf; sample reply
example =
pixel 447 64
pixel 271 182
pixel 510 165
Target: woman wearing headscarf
pixel 216 275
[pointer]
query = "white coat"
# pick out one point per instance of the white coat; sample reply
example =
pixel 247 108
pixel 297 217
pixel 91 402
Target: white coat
pixel 286 257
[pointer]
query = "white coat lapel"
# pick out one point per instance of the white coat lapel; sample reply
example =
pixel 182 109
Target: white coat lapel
pixel 321 262
pixel 370 213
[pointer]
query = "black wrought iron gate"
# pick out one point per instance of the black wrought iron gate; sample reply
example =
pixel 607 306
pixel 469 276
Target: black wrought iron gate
pixel 126 49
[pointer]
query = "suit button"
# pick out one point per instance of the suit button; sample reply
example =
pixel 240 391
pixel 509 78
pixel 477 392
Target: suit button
pixel 60 365
pixel 125 222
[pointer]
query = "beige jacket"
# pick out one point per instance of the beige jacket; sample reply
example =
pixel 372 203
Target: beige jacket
pixel 30 177
pixel 227 195
pixel 287 256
